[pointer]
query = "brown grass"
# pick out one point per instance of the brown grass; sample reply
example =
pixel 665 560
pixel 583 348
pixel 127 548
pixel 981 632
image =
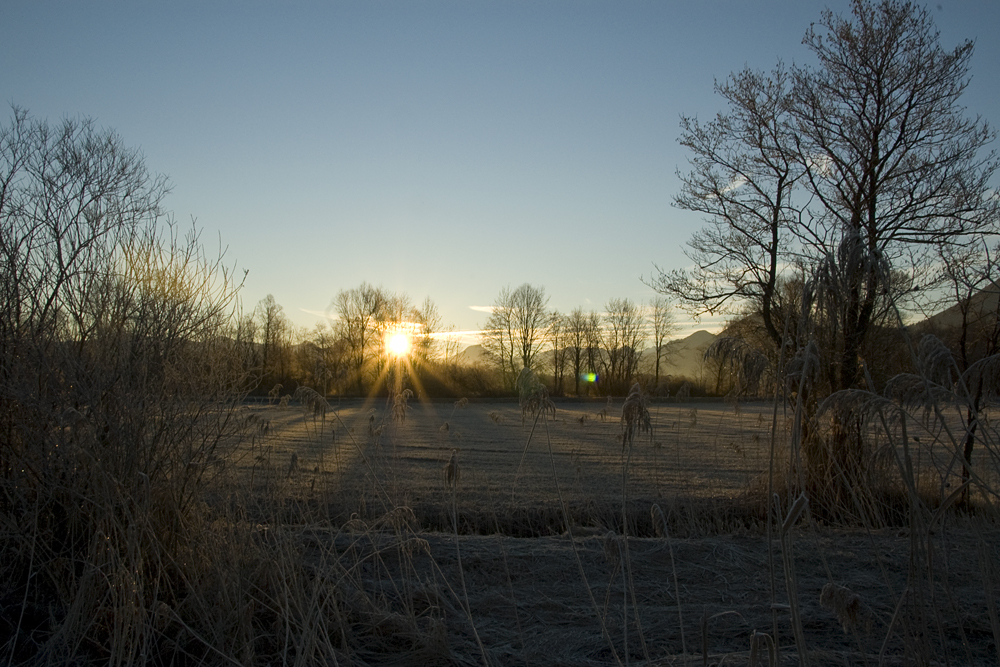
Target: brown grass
pixel 380 540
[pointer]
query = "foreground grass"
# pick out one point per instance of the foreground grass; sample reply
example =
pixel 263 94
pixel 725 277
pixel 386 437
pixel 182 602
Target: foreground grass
pixel 361 540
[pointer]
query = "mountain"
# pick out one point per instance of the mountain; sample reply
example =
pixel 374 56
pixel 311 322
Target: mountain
pixel 982 307
pixel 471 355
pixel 680 357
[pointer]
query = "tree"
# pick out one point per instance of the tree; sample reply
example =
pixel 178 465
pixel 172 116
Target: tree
pixel 359 314
pixel 743 172
pixel 397 316
pixel 245 336
pixel 972 286
pixel 516 330
pixel 576 336
pixel 365 316
pixel 498 338
pixel 558 335
pixel 324 363
pixel 851 170
pixel 451 345
pixel 889 157
pixel 663 327
pixel 970 275
pixel 70 196
pixel 275 330
pixel 120 374
pixel 594 346
pixel 623 337
pixel 427 321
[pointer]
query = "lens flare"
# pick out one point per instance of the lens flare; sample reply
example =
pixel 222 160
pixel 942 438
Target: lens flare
pixel 588 377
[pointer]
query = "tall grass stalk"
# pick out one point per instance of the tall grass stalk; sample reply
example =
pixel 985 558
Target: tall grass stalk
pixel 661 520
pixel 799 507
pixel 506 568
pixel 534 399
pixel 452 480
pixel 635 418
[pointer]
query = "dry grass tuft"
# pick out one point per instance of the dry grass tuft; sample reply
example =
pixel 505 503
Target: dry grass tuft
pixel 532 395
pixel 845 603
pixel 452 472
pixel 399 405
pixel 762 644
pixel 635 415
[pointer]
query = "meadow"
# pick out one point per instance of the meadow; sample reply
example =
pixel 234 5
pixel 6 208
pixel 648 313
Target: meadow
pixel 699 451
pixel 475 534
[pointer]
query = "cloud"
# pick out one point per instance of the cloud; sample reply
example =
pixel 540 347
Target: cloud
pixel 735 184
pixel 319 313
pixel 465 338
pixel 482 309
pixel 455 334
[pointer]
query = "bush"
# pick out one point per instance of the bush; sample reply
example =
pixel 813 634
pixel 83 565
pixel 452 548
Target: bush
pixel 119 383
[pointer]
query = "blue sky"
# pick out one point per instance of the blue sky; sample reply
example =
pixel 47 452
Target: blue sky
pixel 441 149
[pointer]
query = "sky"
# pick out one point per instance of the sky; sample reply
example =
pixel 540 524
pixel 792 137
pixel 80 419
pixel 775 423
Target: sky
pixel 440 149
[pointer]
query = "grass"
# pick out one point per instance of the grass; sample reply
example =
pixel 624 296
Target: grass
pixel 391 542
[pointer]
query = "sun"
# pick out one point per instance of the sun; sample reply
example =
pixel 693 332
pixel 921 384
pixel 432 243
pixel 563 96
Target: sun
pixel 397 343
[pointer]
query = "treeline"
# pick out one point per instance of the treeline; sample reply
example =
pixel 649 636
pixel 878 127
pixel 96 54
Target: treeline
pixel 348 355
pixel 581 353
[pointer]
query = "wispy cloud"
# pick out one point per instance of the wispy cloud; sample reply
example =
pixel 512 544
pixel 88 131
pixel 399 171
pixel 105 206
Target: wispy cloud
pixel 465 338
pixel 482 309
pixel 735 184
pixel 320 313
pixel 456 334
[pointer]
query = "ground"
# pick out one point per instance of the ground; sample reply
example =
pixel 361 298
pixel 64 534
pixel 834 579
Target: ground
pixel 472 493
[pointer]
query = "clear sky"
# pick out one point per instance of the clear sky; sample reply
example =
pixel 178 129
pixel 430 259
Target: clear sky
pixel 441 149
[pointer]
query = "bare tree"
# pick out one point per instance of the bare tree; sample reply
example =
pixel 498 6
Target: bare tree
pixel 743 171
pixel 663 326
pixel 888 155
pixel 576 338
pixel 120 375
pixel 595 350
pixel 451 346
pixel 498 337
pixel 516 330
pixel 275 330
pixel 558 335
pixel 623 338
pixel 427 322
pixel 360 312
pixel 971 277
pixel 397 316
pixel 366 315
pixel 325 363
pixel 245 339
pixel 851 171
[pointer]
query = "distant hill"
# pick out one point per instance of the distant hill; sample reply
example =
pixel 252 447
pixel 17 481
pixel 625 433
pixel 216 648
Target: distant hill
pixel 983 305
pixel 681 357
pixel 471 355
